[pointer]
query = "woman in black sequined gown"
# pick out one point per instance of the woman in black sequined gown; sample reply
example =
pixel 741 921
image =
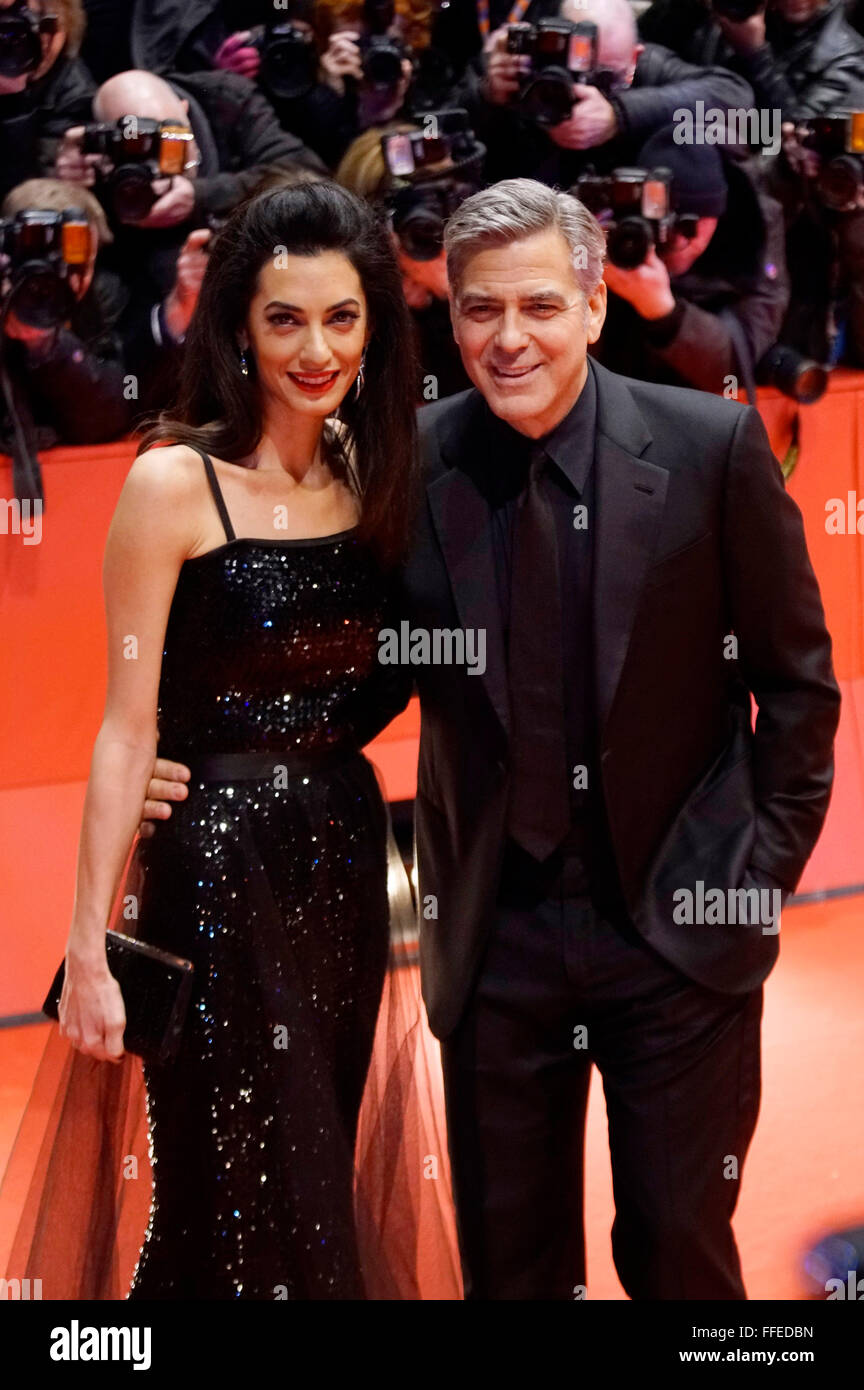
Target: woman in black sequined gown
pixel 272 875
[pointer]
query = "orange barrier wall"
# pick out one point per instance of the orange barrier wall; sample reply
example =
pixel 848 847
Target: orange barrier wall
pixel 52 642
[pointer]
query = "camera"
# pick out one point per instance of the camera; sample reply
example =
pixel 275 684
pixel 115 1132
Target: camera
pixel 289 58
pixel 140 150
pixel 381 55
pixel 634 208
pixel 435 170
pixel 838 139
pixel 563 55
pixel 43 250
pixel 737 10
pixel 795 375
pixel 21 34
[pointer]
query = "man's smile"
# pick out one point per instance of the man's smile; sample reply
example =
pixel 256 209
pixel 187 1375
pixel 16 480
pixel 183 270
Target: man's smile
pixel 513 373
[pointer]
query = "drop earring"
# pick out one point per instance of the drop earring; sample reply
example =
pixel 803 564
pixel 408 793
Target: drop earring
pixel 358 384
pixel 244 365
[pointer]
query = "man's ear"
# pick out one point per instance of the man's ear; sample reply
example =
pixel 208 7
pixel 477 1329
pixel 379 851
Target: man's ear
pixel 596 304
pixel 184 103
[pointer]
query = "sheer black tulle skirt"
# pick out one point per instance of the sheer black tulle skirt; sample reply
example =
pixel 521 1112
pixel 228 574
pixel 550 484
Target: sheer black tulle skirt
pixel 294 1149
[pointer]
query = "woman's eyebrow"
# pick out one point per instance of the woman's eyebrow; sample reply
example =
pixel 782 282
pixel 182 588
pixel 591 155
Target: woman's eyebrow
pixel 296 309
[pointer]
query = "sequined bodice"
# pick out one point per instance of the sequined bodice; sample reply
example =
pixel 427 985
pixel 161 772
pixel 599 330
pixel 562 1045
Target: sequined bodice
pixel 269 644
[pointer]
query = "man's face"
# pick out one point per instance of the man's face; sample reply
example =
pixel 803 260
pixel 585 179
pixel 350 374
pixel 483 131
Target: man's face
pixel 798 11
pixel 523 327
pixel 680 252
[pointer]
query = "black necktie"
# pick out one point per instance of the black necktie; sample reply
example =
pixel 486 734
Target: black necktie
pixel 539 811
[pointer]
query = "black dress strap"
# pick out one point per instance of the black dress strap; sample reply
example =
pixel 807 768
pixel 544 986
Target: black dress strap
pixel 217 494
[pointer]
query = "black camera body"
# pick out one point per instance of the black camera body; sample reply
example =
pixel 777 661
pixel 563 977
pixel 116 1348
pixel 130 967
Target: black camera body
pixel 21 34
pixel 838 139
pixel 140 150
pixel 434 170
pixel 381 54
pixel 635 209
pixel 289 60
pixel 381 57
pixel 563 56
pixel 43 249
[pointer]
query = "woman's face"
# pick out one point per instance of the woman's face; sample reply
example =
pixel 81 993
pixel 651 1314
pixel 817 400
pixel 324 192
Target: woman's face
pixel 307 328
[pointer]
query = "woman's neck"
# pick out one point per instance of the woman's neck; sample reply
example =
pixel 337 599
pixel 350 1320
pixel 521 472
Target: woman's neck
pixel 291 443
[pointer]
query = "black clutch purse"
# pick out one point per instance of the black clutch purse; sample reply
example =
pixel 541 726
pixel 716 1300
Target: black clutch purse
pixel 155 986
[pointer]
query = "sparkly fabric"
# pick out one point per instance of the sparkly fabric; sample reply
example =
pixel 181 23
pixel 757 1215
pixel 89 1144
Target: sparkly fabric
pixel 276 890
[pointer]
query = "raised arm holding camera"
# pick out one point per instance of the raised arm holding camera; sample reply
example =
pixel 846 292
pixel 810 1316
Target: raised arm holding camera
pixel 581 88
pixel 696 272
pixel 61 343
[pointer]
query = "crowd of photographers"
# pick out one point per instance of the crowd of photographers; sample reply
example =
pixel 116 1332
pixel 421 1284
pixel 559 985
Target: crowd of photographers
pixel 720 145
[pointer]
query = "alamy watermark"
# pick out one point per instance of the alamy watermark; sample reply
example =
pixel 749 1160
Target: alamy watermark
pixel 720 125
pixel 747 907
pixel 21 518
pixel 436 646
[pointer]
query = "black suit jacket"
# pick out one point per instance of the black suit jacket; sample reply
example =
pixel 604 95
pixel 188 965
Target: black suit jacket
pixel 696 541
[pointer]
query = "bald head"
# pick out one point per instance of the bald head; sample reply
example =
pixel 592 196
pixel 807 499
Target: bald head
pixel 617 38
pixel 138 93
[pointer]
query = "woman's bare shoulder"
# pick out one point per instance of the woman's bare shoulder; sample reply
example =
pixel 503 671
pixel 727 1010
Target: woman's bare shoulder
pixel 167 473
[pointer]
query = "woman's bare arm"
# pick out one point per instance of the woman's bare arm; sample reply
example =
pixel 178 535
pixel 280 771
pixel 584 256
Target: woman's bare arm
pixel 151 533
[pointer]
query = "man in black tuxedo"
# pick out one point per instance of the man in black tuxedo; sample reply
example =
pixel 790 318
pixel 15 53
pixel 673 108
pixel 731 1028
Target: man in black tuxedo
pixel 636 567
pixel 639 571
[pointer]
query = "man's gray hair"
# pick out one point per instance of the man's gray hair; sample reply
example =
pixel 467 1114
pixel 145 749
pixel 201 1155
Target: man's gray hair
pixel 517 208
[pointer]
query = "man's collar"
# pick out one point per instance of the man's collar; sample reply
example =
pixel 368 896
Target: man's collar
pixel 571 444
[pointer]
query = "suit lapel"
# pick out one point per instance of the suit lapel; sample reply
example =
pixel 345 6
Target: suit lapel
pixel 630 497
pixel 463 522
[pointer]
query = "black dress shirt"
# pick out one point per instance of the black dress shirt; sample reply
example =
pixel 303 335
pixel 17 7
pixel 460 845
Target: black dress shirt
pixel 585 862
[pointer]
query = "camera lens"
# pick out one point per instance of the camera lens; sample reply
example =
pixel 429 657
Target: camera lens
pixel 548 99
pixel 288 64
pixel 382 66
pixel 629 242
pixel 39 297
pixel 840 183
pixel 422 235
pixel 20 49
pixel 131 193
pixel 796 376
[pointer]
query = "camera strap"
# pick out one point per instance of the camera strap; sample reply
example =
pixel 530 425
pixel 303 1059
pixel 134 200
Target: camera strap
pixel 514 17
pixel 743 355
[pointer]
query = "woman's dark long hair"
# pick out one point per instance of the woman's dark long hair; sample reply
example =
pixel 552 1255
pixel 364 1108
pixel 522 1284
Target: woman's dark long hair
pixel 218 409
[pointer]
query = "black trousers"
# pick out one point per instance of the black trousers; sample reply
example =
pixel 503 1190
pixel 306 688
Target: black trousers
pixel 561 988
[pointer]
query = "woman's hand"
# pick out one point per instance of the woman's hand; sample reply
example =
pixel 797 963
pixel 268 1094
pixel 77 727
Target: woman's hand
pixel 92 1013
pixel 167 783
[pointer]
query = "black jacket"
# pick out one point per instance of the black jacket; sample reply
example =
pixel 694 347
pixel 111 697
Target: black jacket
pixel 742 273
pixel 663 84
pixel 802 70
pixel 696 539
pixel 239 138
pixel 75 384
pixel 32 121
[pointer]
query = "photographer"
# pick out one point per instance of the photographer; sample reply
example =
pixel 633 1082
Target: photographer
pixel 420 183
pixel 43 86
pixel 221 140
pixel 801 57
pixel 67 374
pixel 715 289
pixel 627 91
pixel 330 70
